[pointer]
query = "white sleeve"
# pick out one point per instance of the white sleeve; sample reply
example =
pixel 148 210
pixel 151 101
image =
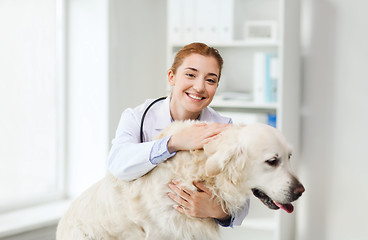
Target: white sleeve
pixel 128 158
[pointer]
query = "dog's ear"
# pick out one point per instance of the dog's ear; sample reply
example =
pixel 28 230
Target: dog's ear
pixel 220 151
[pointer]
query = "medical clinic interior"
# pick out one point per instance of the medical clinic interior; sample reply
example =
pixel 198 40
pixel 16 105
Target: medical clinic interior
pixel 70 68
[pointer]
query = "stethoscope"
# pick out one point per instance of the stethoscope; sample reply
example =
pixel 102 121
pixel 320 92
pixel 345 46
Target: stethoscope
pixel 145 112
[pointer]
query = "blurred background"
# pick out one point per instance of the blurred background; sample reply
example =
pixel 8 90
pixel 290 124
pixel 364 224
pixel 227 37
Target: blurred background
pixel 68 68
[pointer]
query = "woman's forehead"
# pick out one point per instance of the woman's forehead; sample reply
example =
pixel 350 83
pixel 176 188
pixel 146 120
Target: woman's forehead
pixel 200 63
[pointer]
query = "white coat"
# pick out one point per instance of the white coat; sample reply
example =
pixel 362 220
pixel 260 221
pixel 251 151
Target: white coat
pixel 129 159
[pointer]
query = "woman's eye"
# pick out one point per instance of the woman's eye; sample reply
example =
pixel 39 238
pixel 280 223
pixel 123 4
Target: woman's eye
pixel 211 81
pixel 190 75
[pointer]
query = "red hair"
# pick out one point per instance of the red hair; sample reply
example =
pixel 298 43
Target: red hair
pixel 198 48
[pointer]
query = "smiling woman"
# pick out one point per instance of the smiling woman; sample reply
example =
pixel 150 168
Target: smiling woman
pixel 194 77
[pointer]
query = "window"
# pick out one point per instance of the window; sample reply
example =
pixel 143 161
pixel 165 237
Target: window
pixel 31 103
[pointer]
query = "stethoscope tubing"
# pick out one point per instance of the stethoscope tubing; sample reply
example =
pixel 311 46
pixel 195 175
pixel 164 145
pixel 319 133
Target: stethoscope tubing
pixel 144 115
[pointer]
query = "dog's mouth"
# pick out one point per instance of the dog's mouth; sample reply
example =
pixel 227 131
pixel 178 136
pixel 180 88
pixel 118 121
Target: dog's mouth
pixel 266 200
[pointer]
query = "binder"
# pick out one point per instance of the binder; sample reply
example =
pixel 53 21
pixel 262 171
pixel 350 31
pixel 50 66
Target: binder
pixel 207 20
pixel 189 21
pixel 226 20
pixel 259 77
pixel 274 76
pixel 175 20
pixel 200 20
pixel 265 73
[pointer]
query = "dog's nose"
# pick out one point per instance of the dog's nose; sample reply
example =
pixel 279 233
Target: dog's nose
pixel 298 191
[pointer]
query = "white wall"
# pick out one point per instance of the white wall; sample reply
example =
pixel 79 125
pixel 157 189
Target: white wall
pixel 116 59
pixel 334 164
pixel 137 54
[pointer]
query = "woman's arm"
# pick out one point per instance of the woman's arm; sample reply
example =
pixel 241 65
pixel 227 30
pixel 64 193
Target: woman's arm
pixel 128 158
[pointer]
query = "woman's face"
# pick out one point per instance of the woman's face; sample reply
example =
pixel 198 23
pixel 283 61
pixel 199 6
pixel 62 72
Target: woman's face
pixel 194 86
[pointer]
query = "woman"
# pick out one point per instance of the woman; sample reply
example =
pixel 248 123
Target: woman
pixel 194 77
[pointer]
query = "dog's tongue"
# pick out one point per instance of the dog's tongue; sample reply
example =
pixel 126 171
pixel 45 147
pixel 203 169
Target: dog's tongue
pixel 287 206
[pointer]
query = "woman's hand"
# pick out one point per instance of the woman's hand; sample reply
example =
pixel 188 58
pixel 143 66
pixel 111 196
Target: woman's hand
pixel 195 136
pixel 196 203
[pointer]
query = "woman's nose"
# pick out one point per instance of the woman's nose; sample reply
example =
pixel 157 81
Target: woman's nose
pixel 198 85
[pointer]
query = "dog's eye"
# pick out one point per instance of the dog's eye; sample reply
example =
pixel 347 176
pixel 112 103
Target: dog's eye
pixel 290 155
pixel 273 162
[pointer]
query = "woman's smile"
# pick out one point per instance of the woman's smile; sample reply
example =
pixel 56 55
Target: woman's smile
pixel 195 96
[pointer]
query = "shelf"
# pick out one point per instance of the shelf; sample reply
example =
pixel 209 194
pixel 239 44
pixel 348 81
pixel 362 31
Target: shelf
pixel 237 104
pixel 235 43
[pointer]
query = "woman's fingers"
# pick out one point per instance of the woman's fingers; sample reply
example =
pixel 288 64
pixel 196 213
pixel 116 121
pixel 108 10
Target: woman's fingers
pixel 180 201
pixel 216 128
pixel 210 132
pixel 196 203
pixel 181 189
pixel 182 192
pixel 202 187
pixel 196 136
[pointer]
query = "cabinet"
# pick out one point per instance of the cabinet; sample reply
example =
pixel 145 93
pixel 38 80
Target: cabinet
pixel 259 42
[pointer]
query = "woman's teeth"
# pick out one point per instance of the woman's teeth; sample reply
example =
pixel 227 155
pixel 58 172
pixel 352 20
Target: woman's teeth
pixel 194 97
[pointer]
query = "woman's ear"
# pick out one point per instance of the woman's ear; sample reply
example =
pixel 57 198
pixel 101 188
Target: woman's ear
pixel 170 77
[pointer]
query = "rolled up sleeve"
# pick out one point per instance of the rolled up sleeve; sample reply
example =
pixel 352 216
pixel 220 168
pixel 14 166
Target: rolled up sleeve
pixel 160 152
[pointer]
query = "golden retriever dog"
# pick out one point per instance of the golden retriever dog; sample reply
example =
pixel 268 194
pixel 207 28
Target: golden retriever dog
pixel 243 159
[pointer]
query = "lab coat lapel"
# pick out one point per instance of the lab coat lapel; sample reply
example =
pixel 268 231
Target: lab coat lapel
pixel 205 116
pixel 163 115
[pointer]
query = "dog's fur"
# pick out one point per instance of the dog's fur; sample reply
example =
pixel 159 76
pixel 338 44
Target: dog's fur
pixel 241 159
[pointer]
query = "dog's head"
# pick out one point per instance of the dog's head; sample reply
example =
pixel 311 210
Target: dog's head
pixel 256 157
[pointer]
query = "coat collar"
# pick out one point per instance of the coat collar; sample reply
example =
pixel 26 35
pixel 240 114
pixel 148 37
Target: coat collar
pixel 164 116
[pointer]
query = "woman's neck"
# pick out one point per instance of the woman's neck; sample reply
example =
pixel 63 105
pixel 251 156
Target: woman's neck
pixel 176 116
pixel 181 115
